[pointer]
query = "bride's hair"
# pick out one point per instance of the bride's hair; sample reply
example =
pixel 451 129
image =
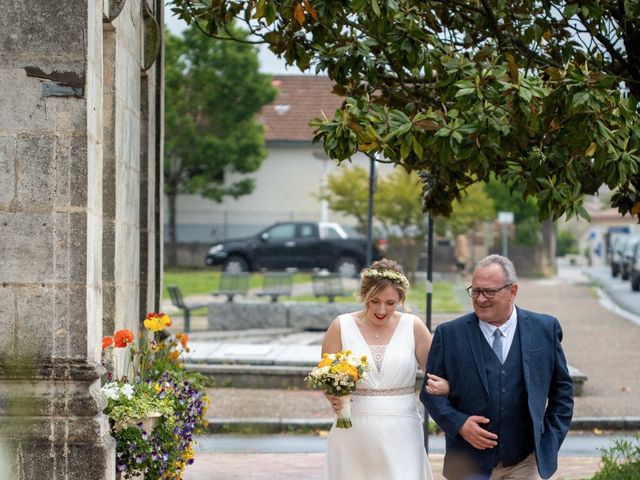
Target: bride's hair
pixel 380 275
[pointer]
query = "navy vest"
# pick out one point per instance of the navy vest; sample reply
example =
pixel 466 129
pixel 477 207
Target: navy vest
pixel 509 411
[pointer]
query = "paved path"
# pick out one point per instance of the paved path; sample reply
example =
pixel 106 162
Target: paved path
pixel 309 466
pixel 602 344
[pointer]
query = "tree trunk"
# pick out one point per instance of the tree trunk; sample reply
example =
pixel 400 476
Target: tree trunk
pixel 172 254
pixel 548 248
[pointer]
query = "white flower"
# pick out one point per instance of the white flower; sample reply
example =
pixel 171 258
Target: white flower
pixel 127 390
pixel 111 390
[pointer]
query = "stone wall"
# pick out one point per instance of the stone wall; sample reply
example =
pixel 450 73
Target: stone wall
pixel 79 181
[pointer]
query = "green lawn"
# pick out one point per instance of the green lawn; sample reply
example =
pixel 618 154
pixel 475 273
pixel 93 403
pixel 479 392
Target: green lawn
pixel 201 282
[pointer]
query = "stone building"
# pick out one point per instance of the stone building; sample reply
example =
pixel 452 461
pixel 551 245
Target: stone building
pixel 80 223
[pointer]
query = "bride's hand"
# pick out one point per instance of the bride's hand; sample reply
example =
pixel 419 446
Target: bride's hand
pixel 437 385
pixel 335 401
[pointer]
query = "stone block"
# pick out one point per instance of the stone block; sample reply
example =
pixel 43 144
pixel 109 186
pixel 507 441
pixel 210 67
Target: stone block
pixel 315 315
pixel 78 176
pixel 26 243
pixel 7 169
pixel 36 312
pixel 246 315
pixel 78 238
pixel 24 109
pixel 6 321
pixel 54 32
pixel 71 302
pixel 36 172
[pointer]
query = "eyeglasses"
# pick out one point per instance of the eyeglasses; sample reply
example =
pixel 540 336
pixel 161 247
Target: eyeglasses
pixel 487 292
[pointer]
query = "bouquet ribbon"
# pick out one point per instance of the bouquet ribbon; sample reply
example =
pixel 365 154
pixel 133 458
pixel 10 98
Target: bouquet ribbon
pixel 344 415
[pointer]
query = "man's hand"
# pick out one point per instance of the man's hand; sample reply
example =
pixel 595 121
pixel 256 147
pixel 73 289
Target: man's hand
pixel 477 436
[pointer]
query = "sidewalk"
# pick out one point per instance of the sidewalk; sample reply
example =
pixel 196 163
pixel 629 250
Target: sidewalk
pixel 309 466
pixel 601 344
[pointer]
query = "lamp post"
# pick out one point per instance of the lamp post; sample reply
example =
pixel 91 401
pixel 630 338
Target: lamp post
pixel 372 190
pixel 425 425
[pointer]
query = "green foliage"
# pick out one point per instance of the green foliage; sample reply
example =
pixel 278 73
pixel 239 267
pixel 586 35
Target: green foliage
pixel 347 192
pixel 541 94
pixel 474 206
pixel 566 243
pixel 396 208
pixel 525 212
pixel 123 409
pixel 620 461
pixel 213 91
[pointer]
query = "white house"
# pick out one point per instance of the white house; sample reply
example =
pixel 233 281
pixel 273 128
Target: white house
pixel 287 184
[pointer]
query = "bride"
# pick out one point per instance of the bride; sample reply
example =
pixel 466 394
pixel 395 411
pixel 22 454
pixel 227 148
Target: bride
pixel 386 441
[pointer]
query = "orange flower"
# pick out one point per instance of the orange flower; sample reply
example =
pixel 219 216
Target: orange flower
pixel 184 338
pixel 174 354
pixel 122 338
pixel 106 342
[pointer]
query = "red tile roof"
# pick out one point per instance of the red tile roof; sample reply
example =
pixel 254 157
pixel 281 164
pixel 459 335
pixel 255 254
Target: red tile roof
pixel 301 98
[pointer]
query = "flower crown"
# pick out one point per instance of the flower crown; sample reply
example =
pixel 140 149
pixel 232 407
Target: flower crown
pixel 395 277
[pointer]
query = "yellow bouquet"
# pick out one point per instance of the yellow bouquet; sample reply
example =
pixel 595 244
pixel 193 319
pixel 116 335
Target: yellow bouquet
pixel 338 374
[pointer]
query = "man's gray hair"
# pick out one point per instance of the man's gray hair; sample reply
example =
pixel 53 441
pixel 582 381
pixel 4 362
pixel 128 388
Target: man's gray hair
pixel 506 264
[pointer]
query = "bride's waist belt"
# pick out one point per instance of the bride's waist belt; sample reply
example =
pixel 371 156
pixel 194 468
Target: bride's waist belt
pixel 387 402
pixel 384 392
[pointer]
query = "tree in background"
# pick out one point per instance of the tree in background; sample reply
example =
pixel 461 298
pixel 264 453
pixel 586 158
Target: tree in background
pixel 213 91
pixel 475 206
pixel 541 94
pixel 399 210
pixel 396 208
pixel 566 243
pixel 348 193
pixel 525 212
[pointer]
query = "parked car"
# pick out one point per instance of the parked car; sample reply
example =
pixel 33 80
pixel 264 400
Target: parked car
pixel 634 273
pixel 300 245
pixel 616 255
pixel 627 256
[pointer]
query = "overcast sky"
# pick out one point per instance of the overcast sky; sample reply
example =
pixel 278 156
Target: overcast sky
pixel 269 63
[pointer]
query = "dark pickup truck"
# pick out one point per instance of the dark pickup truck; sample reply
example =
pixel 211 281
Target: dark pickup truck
pixel 300 245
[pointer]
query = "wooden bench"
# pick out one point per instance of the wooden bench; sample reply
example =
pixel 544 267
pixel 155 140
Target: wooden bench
pixel 232 284
pixel 276 284
pixel 178 301
pixel 329 285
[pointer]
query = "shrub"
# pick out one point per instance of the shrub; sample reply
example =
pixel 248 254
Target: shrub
pixel 621 461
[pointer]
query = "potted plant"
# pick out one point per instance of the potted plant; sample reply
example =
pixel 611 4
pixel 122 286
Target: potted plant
pixel 154 405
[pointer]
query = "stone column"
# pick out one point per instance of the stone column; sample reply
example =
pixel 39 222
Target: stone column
pixel 51 242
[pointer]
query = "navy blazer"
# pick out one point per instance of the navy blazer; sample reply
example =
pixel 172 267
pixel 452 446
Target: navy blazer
pixel 456 354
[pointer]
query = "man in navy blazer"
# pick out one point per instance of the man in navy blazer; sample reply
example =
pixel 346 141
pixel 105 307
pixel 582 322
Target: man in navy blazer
pixel 511 395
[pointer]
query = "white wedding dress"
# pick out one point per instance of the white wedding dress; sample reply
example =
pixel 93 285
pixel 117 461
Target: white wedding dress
pixel 386 441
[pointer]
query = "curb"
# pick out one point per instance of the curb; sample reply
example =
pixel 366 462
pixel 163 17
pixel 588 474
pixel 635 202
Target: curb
pixel 288 425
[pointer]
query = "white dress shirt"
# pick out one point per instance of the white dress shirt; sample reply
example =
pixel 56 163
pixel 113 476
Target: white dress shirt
pixel 508 330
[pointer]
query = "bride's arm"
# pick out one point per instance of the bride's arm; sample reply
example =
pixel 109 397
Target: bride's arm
pixel 332 343
pixel 435 385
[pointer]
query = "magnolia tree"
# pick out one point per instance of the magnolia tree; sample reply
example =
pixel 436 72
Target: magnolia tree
pixel 541 94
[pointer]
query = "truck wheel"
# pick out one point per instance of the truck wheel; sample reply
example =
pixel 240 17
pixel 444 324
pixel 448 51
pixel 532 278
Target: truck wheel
pixel 635 283
pixel 235 264
pixel 347 267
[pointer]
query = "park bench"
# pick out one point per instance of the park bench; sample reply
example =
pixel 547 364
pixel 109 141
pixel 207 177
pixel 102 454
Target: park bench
pixel 578 379
pixel 178 301
pixel 276 284
pixel 329 285
pixel 232 284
